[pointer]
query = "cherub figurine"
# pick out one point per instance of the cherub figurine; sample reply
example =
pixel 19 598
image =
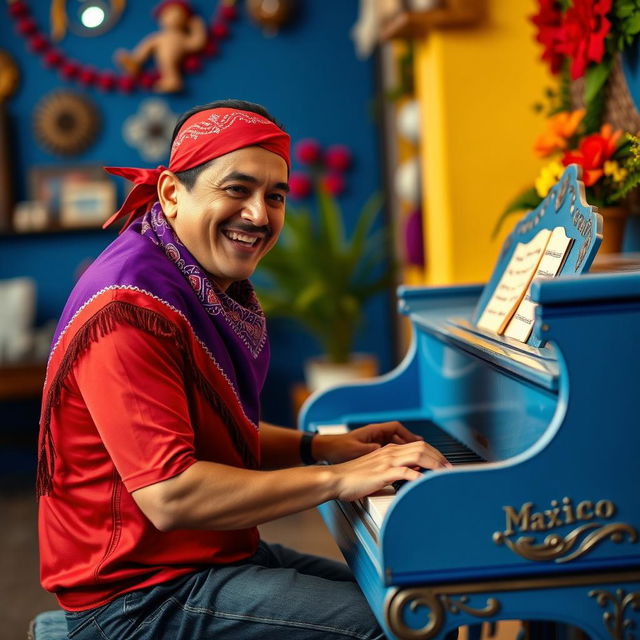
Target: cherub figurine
pixel 181 33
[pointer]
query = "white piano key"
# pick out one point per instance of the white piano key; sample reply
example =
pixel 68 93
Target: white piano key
pixel 378 503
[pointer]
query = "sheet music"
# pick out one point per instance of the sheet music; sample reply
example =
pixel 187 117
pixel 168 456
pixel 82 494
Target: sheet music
pixel 514 282
pixel 521 324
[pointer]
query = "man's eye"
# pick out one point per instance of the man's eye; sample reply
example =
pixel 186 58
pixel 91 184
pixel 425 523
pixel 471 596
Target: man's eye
pixel 236 189
pixel 278 197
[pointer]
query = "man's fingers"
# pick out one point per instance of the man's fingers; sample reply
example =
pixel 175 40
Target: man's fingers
pixel 415 454
pixel 403 432
pixel 396 432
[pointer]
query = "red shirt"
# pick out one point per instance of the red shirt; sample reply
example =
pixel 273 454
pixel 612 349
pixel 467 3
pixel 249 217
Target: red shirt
pixel 125 421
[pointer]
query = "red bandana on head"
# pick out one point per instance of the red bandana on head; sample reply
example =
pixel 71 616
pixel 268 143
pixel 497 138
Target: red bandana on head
pixel 204 136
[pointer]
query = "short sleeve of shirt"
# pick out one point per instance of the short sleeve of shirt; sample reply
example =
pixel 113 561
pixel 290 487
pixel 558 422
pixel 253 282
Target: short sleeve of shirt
pixel 132 384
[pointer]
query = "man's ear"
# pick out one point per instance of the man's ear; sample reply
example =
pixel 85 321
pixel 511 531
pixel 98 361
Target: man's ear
pixel 168 187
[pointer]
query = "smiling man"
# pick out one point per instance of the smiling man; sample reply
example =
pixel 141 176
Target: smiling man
pixel 154 467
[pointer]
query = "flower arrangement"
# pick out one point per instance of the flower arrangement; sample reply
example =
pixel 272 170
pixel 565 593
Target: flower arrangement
pixel 318 275
pixel 580 40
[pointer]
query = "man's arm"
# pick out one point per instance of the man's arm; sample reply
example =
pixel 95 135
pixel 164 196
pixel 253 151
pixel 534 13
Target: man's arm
pixel 141 412
pixel 214 496
pixel 279 446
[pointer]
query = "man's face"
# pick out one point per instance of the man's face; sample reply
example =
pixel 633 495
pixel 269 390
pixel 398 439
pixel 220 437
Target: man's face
pixel 233 214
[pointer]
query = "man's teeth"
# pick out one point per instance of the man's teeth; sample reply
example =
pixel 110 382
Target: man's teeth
pixel 241 237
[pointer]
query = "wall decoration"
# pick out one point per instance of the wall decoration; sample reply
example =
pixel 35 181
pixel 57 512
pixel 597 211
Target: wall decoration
pixel 271 15
pixel 65 123
pixel 74 71
pixel 371 15
pixel 91 17
pixel 86 203
pixel 408 120
pixel 181 33
pixel 9 79
pixel 48 185
pixel 150 129
pixel 9 76
pixel 407 181
pixel 30 215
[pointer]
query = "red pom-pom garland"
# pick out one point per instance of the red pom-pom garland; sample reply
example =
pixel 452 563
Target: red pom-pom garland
pixel 87 76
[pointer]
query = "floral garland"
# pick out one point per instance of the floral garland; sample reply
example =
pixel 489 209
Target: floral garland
pixel 88 76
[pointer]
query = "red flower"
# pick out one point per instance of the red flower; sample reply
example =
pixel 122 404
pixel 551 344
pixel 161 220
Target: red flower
pixel 549 23
pixel 299 186
pixel 337 157
pixel 584 30
pixel 333 183
pixel 308 151
pixel 594 151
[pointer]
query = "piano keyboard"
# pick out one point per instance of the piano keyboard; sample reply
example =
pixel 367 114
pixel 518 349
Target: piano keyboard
pixel 377 504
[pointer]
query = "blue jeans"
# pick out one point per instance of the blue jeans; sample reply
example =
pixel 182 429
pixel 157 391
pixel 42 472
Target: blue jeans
pixel 278 593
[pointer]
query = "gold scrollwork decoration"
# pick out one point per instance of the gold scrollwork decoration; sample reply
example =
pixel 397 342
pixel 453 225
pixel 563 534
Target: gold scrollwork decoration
pixel 493 606
pixel 436 604
pixel 617 625
pixel 554 547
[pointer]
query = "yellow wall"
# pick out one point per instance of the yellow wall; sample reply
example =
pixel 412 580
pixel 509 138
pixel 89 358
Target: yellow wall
pixel 477 87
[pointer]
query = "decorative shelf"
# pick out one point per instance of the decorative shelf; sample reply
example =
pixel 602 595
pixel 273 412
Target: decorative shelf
pixel 414 24
pixel 57 231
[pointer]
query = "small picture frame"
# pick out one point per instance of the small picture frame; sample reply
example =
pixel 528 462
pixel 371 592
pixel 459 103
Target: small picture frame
pixel 86 204
pixel 73 196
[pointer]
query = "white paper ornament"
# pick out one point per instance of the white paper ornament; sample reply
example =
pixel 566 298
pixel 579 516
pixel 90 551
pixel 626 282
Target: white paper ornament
pixel 407 181
pixel 408 120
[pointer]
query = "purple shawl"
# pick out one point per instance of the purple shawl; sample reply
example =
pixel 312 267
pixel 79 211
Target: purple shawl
pixel 149 259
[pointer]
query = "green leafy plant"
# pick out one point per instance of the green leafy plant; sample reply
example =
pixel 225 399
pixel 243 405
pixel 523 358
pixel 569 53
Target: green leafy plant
pixel 320 276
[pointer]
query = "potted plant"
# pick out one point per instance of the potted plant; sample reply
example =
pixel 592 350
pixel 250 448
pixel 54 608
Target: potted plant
pixel 320 276
pixel 581 41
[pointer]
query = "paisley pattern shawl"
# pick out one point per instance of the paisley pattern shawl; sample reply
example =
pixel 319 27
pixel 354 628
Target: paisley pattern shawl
pixel 222 335
pixel 240 308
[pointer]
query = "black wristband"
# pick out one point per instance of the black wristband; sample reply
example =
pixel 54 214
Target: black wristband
pixel 305 448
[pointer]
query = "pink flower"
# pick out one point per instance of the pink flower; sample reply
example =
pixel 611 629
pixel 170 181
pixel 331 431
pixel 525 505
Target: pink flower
pixel 338 157
pixel 308 151
pixel 333 183
pixel 299 186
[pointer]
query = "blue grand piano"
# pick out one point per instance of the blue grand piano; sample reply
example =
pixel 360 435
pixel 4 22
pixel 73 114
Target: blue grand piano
pixel 539 518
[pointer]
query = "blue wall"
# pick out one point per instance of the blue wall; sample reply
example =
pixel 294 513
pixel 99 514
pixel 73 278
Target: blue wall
pixel 307 76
